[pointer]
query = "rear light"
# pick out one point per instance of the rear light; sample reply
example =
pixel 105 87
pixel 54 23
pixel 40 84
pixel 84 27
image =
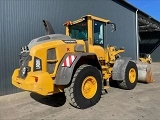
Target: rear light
pixel 69 61
pixel 35 78
pixel 37 64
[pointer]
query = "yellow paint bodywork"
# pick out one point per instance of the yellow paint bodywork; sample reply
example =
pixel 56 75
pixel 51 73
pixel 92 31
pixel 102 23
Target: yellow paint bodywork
pixel 45 84
pixel 146 60
pixel 108 55
pixel 89 87
pixel 132 75
pixel 103 54
pixel 61 47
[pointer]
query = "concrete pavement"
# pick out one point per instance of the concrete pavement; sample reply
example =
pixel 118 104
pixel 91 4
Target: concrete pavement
pixel 141 103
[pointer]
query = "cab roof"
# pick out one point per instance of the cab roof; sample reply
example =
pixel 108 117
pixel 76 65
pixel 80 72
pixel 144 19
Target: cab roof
pixel 96 18
pixel 92 17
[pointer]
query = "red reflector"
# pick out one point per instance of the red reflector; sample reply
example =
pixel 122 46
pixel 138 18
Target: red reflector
pixel 36 79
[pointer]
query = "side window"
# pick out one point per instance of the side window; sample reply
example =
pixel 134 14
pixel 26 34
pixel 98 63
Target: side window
pixel 98 33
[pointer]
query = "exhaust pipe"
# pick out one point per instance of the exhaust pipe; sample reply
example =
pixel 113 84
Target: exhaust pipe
pixel 48 27
pixel 144 73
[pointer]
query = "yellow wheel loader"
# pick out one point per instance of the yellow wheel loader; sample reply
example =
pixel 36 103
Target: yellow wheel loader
pixel 79 63
pixel 145 58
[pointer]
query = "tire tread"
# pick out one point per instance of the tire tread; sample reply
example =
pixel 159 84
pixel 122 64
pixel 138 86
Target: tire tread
pixel 123 84
pixel 69 90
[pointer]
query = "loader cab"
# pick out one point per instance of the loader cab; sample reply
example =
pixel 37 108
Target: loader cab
pixel 90 29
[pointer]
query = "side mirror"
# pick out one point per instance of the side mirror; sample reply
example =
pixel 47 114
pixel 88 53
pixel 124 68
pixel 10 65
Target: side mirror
pixel 113 27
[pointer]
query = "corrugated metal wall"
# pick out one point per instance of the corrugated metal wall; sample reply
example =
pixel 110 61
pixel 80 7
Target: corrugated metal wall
pixel 155 55
pixel 21 21
pixel 125 36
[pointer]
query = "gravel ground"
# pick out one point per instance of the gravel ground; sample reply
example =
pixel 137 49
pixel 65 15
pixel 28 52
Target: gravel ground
pixel 141 103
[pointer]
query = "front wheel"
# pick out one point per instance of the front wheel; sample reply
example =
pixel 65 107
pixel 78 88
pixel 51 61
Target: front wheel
pixel 131 77
pixel 86 87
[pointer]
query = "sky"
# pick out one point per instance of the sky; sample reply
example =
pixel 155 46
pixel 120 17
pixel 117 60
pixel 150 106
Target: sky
pixel 151 7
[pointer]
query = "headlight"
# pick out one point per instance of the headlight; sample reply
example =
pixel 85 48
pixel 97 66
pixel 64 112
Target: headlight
pixel 24 70
pixel 37 64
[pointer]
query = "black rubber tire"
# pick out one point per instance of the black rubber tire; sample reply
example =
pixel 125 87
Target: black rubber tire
pixel 73 91
pixel 126 84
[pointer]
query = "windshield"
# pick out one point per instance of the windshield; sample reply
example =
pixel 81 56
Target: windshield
pixel 79 31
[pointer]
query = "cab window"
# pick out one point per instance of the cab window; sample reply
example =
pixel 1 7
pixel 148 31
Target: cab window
pixel 98 33
pixel 79 31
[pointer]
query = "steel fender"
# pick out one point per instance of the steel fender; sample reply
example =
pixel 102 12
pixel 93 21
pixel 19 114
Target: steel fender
pixel 64 74
pixel 119 68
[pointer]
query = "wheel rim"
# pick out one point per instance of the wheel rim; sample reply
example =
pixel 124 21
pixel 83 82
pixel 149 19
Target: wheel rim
pixel 132 75
pixel 89 87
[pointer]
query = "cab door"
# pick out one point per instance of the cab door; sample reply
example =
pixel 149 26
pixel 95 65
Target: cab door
pixel 98 39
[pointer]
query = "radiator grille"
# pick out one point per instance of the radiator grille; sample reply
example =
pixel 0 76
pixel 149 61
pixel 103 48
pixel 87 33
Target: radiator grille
pixel 51 60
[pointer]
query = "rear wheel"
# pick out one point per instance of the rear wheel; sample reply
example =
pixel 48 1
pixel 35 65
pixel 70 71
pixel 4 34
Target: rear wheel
pixel 131 77
pixel 86 87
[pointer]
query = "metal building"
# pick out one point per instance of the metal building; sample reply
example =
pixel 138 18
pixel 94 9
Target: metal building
pixel 21 21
